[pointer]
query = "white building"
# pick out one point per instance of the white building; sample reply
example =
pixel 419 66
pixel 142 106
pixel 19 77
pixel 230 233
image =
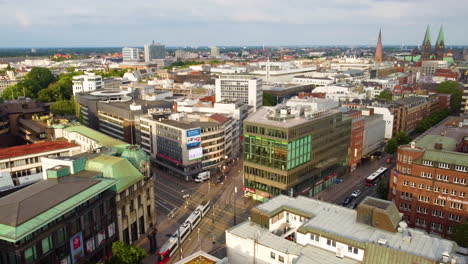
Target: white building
pixel 87 83
pixel 429 67
pixel 246 88
pixel 315 104
pixel 340 93
pixel 130 54
pixel 303 230
pixel 154 51
pixel 374 132
pixel 215 52
pixel 303 79
pixel 388 117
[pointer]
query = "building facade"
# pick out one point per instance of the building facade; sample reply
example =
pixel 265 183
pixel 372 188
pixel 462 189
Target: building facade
pixel 293 150
pixel 23 163
pixel 357 138
pixel 154 51
pixel 131 54
pixel 66 218
pixel 429 182
pixel 87 82
pixel 246 88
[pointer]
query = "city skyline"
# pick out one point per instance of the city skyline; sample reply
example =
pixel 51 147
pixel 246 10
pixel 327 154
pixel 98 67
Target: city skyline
pixel 204 23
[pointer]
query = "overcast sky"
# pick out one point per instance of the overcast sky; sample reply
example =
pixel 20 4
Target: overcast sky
pixel 76 23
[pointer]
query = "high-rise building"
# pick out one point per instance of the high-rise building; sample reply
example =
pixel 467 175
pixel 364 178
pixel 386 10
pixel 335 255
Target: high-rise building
pixel 294 150
pixel 154 51
pixel 215 52
pixel 303 230
pixel 87 82
pixel 439 51
pixel 130 54
pixel 429 182
pixel 246 88
pixel 378 49
pixel 426 46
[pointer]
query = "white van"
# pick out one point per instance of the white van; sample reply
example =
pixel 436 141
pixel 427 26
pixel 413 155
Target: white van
pixel 202 176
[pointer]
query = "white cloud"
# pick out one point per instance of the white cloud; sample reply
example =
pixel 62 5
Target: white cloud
pixel 23 20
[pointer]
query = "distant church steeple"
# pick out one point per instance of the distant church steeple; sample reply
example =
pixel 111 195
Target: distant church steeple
pixel 378 49
pixel 440 45
pixel 426 46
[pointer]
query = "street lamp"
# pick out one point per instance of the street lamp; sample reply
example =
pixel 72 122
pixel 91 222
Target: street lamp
pixel 234 204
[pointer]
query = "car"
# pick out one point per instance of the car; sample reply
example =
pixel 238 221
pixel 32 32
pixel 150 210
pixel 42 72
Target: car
pixel 354 205
pixel 347 201
pixel 356 193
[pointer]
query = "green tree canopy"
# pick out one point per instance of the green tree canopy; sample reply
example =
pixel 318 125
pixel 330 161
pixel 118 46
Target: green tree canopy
pixel 269 100
pixel 63 108
pixel 454 89
pixel 385 95
pixel 36 80
pixel 402 138
pixel 123 253
pixel 392 146
pixel 460 234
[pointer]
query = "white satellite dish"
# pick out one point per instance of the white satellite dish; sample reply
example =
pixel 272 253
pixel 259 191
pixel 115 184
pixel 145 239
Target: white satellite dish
pixel 403 224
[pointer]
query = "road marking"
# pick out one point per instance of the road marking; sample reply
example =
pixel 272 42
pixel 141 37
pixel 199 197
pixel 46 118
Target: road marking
pixel 162 205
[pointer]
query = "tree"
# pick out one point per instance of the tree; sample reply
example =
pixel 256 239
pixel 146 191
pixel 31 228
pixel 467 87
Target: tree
pixel 123 253
pixel 460 234
pixel 402 138
pixel 382 189
pixel 384 95
pixel 63 108
pixel 454 89
pixel 36 80
pixel 392 146
pixel 269 100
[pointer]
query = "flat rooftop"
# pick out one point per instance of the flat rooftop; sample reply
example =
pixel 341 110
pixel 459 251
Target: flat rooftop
pixel 36 148
pixel 261 117
pixel 100 138
pixel 341 221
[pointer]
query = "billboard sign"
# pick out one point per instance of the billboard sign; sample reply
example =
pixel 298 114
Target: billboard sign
pixel 193 137
pixel 76 247
pixel 196 153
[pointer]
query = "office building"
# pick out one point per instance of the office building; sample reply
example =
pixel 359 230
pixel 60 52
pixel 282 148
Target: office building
pixel 116 112
pixel 87 82
pixel 22 164
pixel 88 139
pixel 430 67
pixel 374 132
pixel 154 51
pixel 429 182
pixel 215 52
pixel 185 144
pixel 133 191
pixel 130 54
pixel 246 88
pixel 357 137
pixel 302 230
pixel 293 150
pixel 69 217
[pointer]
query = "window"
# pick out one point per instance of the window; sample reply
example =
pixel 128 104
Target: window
pixel 436 189
pixel 444 190
pixel 272 255
pixel 462 194
pixel 443 165
pixel 463 181
pixel 427 163
pixel 446 178
pixel 413 185
pixel 455 180
pixel 314 237
pixel 428 188
pixel 46 244
pixel 60 235
pixel 405 183
pixel 421 186
pixel 439 177
pixel 30 254
pixel 460 168
pixel 280 258
pixel 331 242
pixel 453 192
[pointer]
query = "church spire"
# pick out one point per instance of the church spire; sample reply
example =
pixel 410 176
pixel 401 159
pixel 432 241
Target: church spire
pixel 378 49
pixel 440 45
pixel 426 46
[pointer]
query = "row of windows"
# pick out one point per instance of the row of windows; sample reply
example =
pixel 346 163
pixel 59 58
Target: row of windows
pixel 421 186
pixel 444 165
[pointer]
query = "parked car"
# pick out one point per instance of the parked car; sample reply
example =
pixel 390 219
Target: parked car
pixel 347 201
pixel 356 193
pixel 354 205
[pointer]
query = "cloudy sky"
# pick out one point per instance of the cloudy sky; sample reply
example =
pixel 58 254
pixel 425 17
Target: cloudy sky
pixel 75 23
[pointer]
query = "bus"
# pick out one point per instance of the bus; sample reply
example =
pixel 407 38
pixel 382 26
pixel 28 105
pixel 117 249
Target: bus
pixel 372 179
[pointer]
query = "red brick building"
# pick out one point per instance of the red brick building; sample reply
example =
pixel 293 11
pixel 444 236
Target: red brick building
pixel 429 182
pixel 357 137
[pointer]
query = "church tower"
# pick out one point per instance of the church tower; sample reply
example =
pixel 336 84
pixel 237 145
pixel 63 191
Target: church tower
pixel 440 45
pixel 426 46
pixel 378 49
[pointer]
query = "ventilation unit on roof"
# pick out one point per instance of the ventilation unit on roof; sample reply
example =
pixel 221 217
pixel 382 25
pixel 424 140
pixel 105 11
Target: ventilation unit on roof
pixel 382 242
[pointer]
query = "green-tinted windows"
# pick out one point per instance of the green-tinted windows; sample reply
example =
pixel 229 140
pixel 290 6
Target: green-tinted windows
pixel 299 152
pixel 46 244
pixel 30 254
pixel 60 235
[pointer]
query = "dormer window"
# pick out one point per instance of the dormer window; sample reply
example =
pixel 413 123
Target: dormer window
pixel 443 165
pixel 428 163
